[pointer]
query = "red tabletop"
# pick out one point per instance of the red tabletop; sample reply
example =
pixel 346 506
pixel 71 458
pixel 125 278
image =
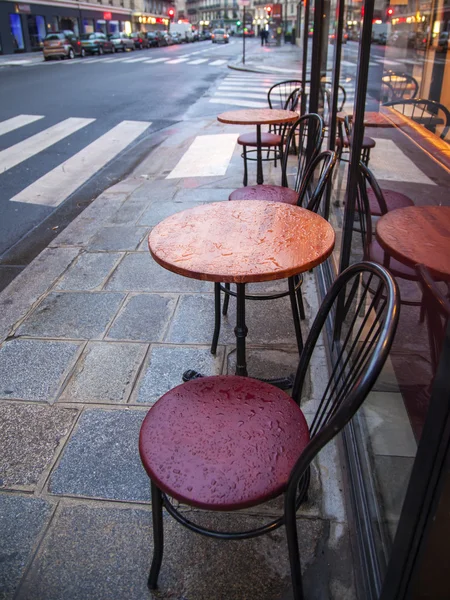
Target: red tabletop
pixel 371 119
pixel 242 241
pixel 258 116
pixel 418 234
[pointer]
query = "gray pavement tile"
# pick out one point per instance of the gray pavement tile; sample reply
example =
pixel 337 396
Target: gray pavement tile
pixel 117 237
pixel 166 364
pixel 201 194
pixel 105 372
pixel 101 458
pixel 140 273
pixel 34 369
pixel 29 438
pixel 22 519
pixel 266 363
pixel 29 286
pixel 89 271
pixel 155 190
pixel 158 211
pixel 143 318
pixel 268 322
pixel 104 553
pixel 129 212
pixel 72 315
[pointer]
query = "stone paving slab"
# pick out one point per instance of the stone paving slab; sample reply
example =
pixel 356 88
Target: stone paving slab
pixel 202 195
pixel 83 315
pixel 22 520
pixel 89 272
pixel 29 438
pixel 105 553
pixel 144 317
pixel 140 273
pixel 117 237
pixel 193 322
pixel 161 210
pixel 265 363
pixel 101 459
pixel 105 373
pixel 165 365
pixel 34 369
pixel 129 212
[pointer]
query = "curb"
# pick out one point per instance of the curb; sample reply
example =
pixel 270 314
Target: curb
pixel 236 67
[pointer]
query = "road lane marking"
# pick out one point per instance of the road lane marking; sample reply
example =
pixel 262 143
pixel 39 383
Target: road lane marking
pixel 234 102
pixel 208 155
pixel 198 61
pixel 217 63
pixel 16 154
pixel 253 95
pixel 156 60
pixel 135 60
pixel 57 185
pixel 177 60
pixel 16 122
pixel 231 86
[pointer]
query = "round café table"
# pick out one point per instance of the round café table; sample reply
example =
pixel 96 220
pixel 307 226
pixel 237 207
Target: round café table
pixel 258 117
pixel 241 242
pixel 418 235
pixel 371 119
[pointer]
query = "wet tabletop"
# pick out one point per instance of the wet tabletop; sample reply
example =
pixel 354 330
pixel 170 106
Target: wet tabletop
pixel 371 119
pixel 258 116
pixel 418 234
pixel 241 241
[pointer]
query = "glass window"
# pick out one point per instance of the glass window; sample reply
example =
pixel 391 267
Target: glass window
pixel 88 25
pixel 36 31
pixel 15 24
pixel 113 26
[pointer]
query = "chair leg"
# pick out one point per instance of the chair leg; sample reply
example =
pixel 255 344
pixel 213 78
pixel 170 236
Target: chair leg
pixel 244 155
pixel 216 318
pixel 301 306
pixel 294 554
pixel 295 315
pixel 158 536
pixel 226 300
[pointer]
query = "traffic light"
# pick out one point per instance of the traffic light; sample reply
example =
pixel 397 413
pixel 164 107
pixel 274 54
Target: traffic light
pixel 238 23
pixel 268 10
pixel 389 11
pixel 171 13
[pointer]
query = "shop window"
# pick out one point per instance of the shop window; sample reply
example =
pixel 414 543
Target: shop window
pixel 113 26
pixel 52 24
pixel 36 31
pixel 15 24
pixel 88 25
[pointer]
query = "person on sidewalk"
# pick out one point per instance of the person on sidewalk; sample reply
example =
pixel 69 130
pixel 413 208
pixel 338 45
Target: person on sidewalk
pixel 262 33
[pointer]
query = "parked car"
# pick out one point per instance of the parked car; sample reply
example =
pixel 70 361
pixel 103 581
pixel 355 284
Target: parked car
pixel 219 35
pixel 140 40
pixel 152 38
pixel 96 43
pixel 176 38
pixel 121 41
pixel 205 35
pixel 62 44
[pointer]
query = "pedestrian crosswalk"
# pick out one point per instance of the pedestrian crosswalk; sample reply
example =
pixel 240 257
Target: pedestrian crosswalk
pixel 141 60
pixel 54 186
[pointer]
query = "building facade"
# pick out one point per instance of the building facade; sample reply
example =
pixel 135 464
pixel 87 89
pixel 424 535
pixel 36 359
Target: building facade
pixel 23 26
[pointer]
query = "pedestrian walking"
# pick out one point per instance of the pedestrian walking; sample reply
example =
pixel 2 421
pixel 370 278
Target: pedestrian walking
pixel 262 33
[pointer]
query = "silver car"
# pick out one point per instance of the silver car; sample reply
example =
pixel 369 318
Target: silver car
pixel 121 41
pixel 219 36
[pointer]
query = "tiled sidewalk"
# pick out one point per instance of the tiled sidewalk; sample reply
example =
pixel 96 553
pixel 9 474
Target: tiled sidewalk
pixel 93 333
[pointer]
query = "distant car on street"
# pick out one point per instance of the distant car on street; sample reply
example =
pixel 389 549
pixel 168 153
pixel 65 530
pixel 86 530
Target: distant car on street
pixel 219 36
pixel 96 43
pixel 121 41
pixel 62 44
pixel 140 40
pixel 205 35
pixel 152 38
pixel 176 37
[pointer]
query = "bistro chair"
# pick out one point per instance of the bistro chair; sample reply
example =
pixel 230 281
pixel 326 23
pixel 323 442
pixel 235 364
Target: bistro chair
pixel 428 113
pixel 305 136
pixel 400 85
pixel 310 196
pixel 344 140
pixel 273 140
pixel 209 443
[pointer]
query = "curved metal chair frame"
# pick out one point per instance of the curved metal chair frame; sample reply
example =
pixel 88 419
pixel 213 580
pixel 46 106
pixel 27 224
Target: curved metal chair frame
pixel 365 150
pixel 325 93
pixel 311 193
pixel 362 340
pixel 401 85
pixel 425 113
pixel 291 103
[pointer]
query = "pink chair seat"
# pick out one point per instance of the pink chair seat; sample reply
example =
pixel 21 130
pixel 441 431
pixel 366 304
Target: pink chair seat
pixel 223 443
pixel 272 193
pixel 368 142
pixel 398 269
pixel 393 200
pixel 267 139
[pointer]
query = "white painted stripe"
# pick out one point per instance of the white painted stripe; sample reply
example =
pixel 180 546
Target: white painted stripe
pixel 156 60
pixel 208 155
pixel 198 61
pixel 123 59
pixel 90 61
pixel 177 60
pixel 246 103
pixel 235 94
pixel 16 154
pixel 247 88
pixel 54 187
pixel 16 122
pixel 217 63
pixel 135 60
pixel 385 61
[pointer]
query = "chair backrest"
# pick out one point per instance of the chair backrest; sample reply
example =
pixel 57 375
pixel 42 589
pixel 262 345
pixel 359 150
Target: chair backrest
pixel 361 311
pixel 437 311
pixel 428 113
pixel 315 181
pixel 401 85
pixel 367 180
pixel 280 92
pixel 304 139
pixel 326 88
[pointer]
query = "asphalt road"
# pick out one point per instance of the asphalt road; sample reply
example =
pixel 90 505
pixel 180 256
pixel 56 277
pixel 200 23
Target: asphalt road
pixel 105 92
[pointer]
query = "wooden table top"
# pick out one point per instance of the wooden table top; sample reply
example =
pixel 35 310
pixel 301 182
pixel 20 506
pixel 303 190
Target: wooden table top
pixel 371 119
pixel 258 116
pixel 418 234
pixel 241 241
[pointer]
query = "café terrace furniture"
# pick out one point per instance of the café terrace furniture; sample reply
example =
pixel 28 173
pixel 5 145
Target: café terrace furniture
pixel 226 443
pixel 259 117
pixel 344 140
pixel 243 242
pixel 400 85
pixel 428 113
